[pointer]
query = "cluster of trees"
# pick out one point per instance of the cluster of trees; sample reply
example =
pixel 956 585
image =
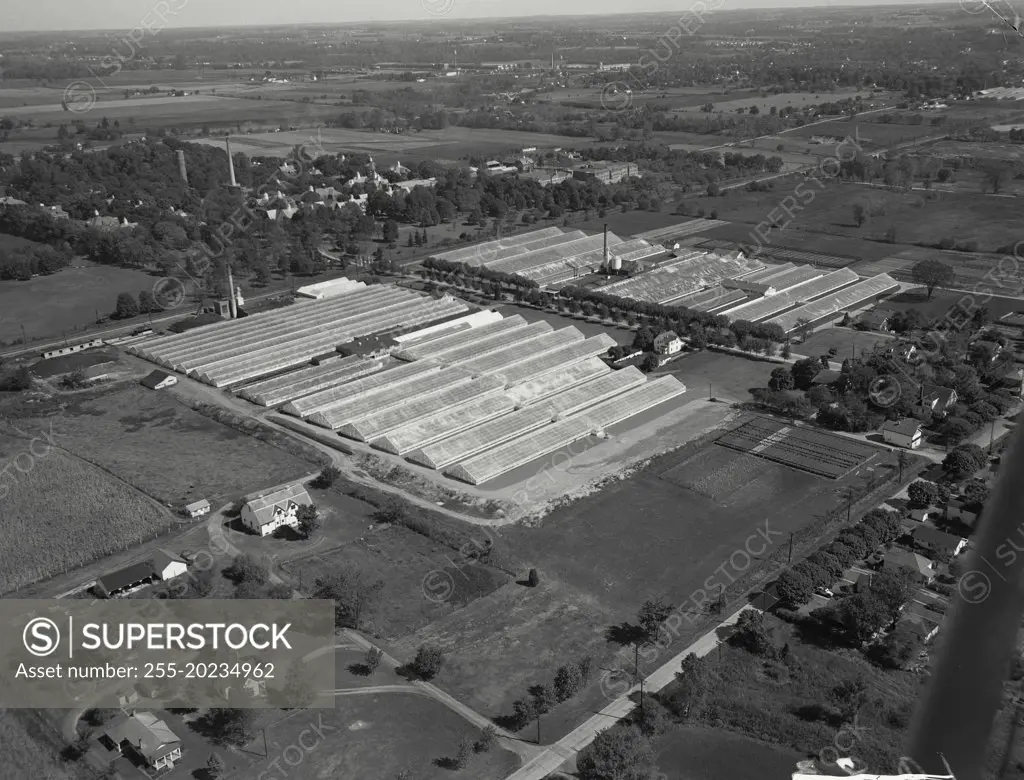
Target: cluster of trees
pixel 963 461
pixel 702 328
pixel 129 306
pixel 819 570
pixel 252 579
pixel 354 594
pixel 569 680
pixel 23 263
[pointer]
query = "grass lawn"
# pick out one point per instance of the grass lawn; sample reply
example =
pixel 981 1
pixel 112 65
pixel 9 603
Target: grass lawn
pixel 64 364
pixel 709 754
pixel 61 513
pixel 777 702
pixel 72 296
pixel 499 645
pixel 847 342
pixel 378 735
pixel 174 454
pixel 730 378
pixel 416 572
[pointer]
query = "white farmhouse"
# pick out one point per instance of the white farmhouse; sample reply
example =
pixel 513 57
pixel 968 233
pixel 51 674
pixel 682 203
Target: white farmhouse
pixel 265 513
pixel 668 343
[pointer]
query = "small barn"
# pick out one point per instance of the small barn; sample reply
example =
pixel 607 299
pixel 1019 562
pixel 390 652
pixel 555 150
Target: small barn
pixel 158 380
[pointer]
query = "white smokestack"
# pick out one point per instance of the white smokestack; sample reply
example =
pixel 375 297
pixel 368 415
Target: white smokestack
pixel 232 302
pixel 181 167
pixel 231 163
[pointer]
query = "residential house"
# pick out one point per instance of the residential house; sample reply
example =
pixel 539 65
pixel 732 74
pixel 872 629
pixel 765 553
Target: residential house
pixel 903 433
pixel 937 400
pixel 922 515
pixel 265 513
pixel 668 343
pixel 920 566
pixel 158 380
pixel 826 377
pixel 904 351
pixel 197 508
pixel 956 510
pixel 876 319
pixel 918 626
pixel 146 736
pixel 938 542
pixel 161 566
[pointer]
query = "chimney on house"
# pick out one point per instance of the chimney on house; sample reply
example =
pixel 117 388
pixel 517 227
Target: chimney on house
pixel 231 163
pixel 181 166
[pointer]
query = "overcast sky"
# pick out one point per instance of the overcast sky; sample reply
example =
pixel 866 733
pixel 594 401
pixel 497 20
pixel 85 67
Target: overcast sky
pixel 126 14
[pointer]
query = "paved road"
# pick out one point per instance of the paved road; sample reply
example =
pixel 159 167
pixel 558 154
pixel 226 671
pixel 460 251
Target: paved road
pixel 568 746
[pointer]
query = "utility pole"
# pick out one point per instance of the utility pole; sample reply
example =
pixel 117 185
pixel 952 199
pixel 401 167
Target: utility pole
pixel 992 436
pixel 790 548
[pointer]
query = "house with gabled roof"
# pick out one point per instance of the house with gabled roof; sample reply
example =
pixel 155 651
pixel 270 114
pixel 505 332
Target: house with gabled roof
pixel 264 513
pixel 933 540
pixel 146 736
pixel 918 565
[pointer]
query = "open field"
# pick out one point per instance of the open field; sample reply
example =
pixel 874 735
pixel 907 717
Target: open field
pixel 170 452
pixel 696 753
pixel 72 295
pixel 942 303
pixel 61 512
pixel 31 747
pixel 379 735
pixel 410 565
pixel 664 530
pixel 745 99
pixel 453 143
pixel 870 134
pixel 726 377
pixel 190 112
pixel 986 273
pixel 916 216
pixel 632 222
pixel 846 341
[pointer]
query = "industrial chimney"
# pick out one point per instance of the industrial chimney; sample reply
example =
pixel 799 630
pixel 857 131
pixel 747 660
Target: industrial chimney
pixel 232 301
pixel 181 166
pixel 231 163
pixel 605 255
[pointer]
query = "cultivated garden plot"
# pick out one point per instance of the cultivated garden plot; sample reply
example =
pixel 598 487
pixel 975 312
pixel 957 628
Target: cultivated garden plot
pixel 810 450
pixel 64 513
